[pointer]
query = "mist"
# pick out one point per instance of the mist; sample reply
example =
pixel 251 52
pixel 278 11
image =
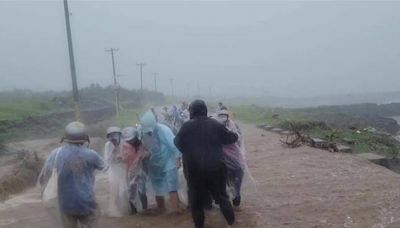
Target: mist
pixel 224 49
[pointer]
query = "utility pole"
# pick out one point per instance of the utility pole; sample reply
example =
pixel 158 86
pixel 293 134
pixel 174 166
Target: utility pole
pixel 116 86
pixel 172 86
pixel 155 81
pixel 141 65
pixel 72 62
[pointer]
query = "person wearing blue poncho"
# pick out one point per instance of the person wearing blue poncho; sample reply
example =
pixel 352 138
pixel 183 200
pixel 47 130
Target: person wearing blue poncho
pixel 164 160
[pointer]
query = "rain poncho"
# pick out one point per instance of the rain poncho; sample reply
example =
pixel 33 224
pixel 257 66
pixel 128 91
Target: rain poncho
pixel 75 166
pixel 238 175
pixel 136 177
pixel 117 176
pixel 159 141
pixel 200 140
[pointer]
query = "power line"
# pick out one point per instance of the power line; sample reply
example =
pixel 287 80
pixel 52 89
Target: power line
pixel 116 86
pixel 72 62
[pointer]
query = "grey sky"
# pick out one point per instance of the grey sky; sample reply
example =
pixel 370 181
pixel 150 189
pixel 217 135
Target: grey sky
pixel 234 48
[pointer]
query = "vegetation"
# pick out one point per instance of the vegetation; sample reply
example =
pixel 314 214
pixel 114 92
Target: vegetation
pixel 25 114
pixel 361 138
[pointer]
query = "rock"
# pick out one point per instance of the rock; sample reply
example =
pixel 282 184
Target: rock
pixel 349 141
pixel 277 130
pixel 343 148
pixel 319 143
pixel 265 126
pixel 286 133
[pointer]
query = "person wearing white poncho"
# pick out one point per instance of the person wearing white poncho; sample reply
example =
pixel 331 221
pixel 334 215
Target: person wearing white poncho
pixel 116 166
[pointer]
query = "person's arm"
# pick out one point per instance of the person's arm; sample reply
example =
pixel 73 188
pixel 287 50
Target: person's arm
pixel 226 136
pixel 98 162
pixel 178 140
pixel 167 138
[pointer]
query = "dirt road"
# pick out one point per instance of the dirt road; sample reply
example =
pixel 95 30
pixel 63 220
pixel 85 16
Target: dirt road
pixel 301 187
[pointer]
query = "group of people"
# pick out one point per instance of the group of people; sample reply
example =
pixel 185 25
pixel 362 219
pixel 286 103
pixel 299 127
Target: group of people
pixel 175 116
pixel 210 148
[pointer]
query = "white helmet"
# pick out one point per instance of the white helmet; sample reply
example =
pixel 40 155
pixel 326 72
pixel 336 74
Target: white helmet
pixel 223 112
pixel 113 129
pixel 130 133
pixel 75 132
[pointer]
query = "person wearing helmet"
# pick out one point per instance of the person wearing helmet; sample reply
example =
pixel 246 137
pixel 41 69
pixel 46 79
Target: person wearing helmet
pixel 221 107
pixel 117 173
pixel 164 160
pixel 113 136
pixel 75 164
pixel 200 140
pixel 234 158
pixel 135 153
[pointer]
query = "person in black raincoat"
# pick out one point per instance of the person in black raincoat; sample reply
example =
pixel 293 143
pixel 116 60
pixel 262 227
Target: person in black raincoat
pixel 200 140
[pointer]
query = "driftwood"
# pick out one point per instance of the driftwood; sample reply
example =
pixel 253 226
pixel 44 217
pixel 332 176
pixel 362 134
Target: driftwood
pixel 296 139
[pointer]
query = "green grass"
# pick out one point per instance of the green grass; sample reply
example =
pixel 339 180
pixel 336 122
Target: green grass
pixel 129 117
pixel 23 109
pixel 364 141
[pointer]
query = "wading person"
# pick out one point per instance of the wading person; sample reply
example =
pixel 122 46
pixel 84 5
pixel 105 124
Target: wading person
pixel 135 153
pixel 234 158
pixel 164 161
pixel 117 169
pixel 75 165
pixel 200 140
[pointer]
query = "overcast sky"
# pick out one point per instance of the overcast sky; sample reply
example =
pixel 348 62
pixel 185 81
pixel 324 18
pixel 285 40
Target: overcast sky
pixel 291 49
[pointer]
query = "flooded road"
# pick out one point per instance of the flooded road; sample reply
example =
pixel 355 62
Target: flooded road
pixel 302 187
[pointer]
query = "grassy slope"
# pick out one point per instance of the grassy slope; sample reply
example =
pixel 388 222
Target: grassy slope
pixel 364 140
pixel 23 109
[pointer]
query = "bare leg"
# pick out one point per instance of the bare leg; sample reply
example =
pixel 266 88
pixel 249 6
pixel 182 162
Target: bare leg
pixel 174 200
pixel 160 202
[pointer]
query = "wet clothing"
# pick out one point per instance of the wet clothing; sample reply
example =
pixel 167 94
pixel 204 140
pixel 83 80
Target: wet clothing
pixel 136 177
pixel 73 221
pixel 200 188
pixel 75 166
pixel 116 160
pixel 163 157
pixel 200 140
pixel 234 159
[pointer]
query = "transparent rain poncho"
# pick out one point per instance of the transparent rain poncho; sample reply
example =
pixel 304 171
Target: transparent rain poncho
pixel 137 176
pixel 158 139
pixel 240 182
pixel 117 176
pixel 75 166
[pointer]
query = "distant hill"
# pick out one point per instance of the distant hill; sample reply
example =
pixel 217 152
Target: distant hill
pixel 346 99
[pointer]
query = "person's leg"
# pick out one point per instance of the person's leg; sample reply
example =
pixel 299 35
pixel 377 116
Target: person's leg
pixel 217 186
pixel 90 221
pixel 237 185
pixel 174 200
pixel 160 202
pixel 132 197
pixel 142 189
pixel 197 192
pixel 143 199
pixel 172 185
pixel 69 221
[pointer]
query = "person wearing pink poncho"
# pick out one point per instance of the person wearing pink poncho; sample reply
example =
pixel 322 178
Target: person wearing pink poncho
pixel 134 153
pixel 234 158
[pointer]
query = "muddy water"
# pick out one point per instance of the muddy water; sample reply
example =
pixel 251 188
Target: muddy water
pixel 301 187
